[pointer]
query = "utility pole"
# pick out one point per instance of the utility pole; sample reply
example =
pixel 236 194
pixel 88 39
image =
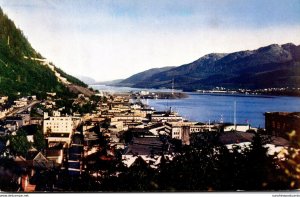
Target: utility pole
pixel 173 86
pixel 234 115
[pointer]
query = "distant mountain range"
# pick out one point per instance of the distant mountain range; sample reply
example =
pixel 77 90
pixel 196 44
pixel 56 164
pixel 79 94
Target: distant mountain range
pixel 87 80
pixel 270 66
pixel 143 76
pixel 109 83
pixel 21 73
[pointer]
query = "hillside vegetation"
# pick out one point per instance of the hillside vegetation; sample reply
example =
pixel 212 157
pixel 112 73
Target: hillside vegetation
pixel 24 76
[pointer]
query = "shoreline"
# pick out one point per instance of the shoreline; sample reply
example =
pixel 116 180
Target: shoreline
pixel 269 94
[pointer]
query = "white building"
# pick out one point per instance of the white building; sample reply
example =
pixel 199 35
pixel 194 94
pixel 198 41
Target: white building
pixel 3 99
pixel 144 93
pixel 174 129
pixel 182 130
pixel 166 117
pixel 3 112
pixel 238 127
pixel 58 128
pixel 20 103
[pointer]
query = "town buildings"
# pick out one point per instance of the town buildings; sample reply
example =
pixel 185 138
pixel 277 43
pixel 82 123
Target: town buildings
pixel 81 143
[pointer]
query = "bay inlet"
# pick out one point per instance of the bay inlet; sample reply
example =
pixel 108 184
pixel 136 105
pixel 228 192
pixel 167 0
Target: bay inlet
pixel 218 107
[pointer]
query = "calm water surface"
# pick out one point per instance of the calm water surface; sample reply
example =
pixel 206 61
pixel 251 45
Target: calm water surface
pixel 212 107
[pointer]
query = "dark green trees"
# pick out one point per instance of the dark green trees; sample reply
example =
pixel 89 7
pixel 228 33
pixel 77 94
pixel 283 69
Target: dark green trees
pixel 9 174
pixel 18 74
pixel 39 140
pixel 208 166
pixel 19 144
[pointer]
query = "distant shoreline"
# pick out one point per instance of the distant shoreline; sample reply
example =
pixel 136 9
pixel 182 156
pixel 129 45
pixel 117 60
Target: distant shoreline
pixel 238 95
pixel 262 95
pixel 253 93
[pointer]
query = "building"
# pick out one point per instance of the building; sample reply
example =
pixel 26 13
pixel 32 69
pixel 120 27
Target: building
pixel 15 120
pixel 282 123
pixel 127 119
pixel 228 127
pixel 3 99
pixel 55 155
pixel 75 156
pixel 3 112
pixel 58 128
pixel 182 130
pixel 165 117
pixel 21 102
pixel 150 149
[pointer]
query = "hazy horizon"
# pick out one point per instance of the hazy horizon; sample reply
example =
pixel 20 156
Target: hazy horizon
pixel 108 40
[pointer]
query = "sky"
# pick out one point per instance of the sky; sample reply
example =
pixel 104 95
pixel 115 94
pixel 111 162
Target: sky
pixel 114 39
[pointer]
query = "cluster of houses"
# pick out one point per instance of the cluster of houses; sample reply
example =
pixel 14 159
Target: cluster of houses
pixel 74 142
pixel 57 131
pixel 8 108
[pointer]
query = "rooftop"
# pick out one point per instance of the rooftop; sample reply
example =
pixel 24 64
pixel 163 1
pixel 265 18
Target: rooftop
pixel 239 137
pixel 179 124
pixel 145 146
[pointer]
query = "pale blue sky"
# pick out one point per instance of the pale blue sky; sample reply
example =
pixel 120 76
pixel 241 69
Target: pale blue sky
pixel 114 39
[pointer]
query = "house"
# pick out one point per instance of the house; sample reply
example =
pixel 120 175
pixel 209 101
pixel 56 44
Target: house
pixel 150 149
pixel 36 120
pixel 3 99
pixel 51 93
pixel 18 121
pixel 30 131
pixel 34 161
pixel 55 155
pixel 3 112
pixel 157 129
pixel 117 126
pixel 40 161
pixel 10 126
pixel 21 102
pixel 25 117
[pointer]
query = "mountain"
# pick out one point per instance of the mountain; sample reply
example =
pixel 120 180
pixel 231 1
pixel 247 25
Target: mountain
pixel 142 76
pixel 23 70
pixel 270 66
pixel 112 82
pixel 87 80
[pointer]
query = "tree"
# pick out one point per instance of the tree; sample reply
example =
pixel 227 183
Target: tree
pixel 9 173
pixel 138 177
pixel 291 163
pixel 260 170
pixel 207 165
pixel 19 144
pixel 39 140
